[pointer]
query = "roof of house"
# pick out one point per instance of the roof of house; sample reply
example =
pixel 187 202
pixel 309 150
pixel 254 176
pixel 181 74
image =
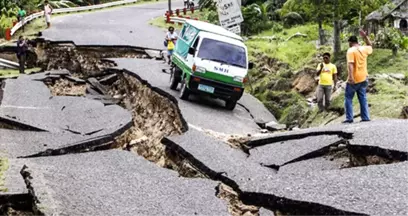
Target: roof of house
pixel 208 27
pixel 389 9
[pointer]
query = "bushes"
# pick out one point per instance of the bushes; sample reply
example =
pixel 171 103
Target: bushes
pixel 391 38
pixel 256 19
pixel 5 22
pixel 291 19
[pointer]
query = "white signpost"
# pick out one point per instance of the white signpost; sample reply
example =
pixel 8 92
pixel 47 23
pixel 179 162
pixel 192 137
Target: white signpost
pixel 235 29
pixel 230 15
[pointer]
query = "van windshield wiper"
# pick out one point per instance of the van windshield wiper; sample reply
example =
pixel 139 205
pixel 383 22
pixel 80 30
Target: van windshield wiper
pixel 237 65
pixel 216 60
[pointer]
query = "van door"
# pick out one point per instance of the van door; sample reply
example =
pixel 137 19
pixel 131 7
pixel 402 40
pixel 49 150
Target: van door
pixel 188 34
pixel 190 57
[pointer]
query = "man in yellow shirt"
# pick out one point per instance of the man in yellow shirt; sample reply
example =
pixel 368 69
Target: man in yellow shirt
pixel 357 77
pixel 328 73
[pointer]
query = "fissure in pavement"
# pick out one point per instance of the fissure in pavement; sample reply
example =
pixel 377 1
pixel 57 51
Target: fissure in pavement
pixel 347 155
pixel 155 116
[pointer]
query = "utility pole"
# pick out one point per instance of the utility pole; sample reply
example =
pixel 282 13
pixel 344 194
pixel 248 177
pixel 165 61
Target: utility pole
pixel 170 6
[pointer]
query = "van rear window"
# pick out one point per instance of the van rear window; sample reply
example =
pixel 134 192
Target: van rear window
pixel 222 52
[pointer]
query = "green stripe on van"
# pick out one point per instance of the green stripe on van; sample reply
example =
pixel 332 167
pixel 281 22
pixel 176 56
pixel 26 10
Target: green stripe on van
pixel 208 74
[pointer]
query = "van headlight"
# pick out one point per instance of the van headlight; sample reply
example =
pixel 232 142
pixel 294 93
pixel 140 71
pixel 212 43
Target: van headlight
pixel 200 69
pixel 238 78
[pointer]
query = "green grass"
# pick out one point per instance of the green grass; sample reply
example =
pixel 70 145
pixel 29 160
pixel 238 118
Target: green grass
pixel 311 30
pixel 382 61
pixel 297 52
pixel 11 73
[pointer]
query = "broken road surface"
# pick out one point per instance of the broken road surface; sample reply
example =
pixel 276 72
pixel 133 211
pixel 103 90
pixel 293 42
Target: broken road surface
pixel 69 155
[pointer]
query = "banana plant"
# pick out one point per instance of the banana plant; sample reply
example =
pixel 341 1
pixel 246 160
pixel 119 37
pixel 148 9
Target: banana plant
pixel 58 4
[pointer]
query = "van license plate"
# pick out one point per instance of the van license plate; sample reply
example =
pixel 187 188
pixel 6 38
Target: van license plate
pixel 206 88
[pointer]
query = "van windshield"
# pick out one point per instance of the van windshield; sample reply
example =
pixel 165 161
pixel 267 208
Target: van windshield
pixel 222 52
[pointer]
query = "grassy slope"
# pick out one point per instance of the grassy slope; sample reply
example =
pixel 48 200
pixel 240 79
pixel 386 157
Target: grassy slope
pixel 391 94
pixel 298 53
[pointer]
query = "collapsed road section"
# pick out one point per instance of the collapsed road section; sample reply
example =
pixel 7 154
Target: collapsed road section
pixel 71 133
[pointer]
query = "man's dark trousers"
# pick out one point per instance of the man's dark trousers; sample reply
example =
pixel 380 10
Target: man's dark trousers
pixel 21 60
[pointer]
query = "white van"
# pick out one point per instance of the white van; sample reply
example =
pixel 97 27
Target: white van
pixel 211 60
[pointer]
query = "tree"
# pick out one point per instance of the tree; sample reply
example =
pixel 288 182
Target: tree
pixel 317 10
pixel 334 11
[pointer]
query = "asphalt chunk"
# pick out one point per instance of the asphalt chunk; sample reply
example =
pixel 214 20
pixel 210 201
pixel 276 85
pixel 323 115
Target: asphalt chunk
pixel 117 182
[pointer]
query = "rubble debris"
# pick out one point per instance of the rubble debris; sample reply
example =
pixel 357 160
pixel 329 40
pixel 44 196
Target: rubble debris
pixel 63 87
pixel 154 116
pixel 87 60
pixel 91 90
pixel 62 72
pixel 98 86
pixel 235 205
pixel 105 99
pixel 76 80
pixel 109 79
pixel 154 54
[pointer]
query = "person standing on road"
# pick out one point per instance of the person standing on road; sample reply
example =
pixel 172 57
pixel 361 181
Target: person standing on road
pixel 22 47
pixel 20 16
pixel 357 77
pixel 170 43
pixel 328 73
pixel 47 13
pixel 186 3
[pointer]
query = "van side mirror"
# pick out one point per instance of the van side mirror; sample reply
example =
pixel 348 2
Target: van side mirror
pixel 191 51
pixel 250 65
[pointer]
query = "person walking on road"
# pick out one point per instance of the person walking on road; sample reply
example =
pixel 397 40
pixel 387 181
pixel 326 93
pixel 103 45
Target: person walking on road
pixel 22 47
pixel 20 16
pixel 328 77
pixel 357 77
pixel 47 13
pixel 170 42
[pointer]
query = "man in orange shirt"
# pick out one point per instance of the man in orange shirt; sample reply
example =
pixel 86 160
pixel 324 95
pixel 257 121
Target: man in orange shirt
pixel 357 77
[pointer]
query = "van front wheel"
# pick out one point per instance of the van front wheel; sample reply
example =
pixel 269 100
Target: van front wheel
pixel 184 92
pixel 230 104
pixel 175 78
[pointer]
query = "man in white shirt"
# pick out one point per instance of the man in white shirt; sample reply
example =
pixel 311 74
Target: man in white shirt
pixel 47 13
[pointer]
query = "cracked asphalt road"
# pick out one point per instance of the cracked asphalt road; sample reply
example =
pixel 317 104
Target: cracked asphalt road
pixel 127 26
pixel 70 180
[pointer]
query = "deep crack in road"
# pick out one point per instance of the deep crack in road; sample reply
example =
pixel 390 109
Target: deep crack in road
pixel 86 154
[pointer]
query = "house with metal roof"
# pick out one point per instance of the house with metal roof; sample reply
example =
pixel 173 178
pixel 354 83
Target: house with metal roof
pixel 394 14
